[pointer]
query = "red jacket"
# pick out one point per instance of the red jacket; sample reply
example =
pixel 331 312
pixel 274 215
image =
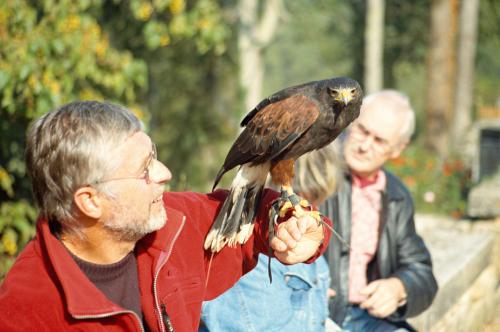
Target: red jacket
pixel 46 291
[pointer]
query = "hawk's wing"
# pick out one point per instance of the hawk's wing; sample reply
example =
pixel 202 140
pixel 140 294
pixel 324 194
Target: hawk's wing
pixel 274 98
pixel 270 131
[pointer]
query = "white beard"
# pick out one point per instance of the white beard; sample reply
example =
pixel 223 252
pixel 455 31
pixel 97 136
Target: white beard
pixel 130 227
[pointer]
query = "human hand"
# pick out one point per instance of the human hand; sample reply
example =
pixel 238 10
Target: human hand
pixel 331 293
pixel 297 240
pixel 384 297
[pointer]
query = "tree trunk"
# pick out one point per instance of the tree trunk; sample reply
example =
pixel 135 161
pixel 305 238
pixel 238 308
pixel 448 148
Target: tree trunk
pixel 374 50
pixel 441 78
pixel 254 34
pixel 465 71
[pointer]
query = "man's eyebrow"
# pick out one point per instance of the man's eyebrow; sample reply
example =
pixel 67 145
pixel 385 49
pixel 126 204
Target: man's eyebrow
pixel 362 126
pixel 376 136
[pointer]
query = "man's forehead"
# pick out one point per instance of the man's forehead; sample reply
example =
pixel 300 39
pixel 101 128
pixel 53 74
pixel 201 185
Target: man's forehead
pixel 136 148
pixel 384 123
pixel 140 137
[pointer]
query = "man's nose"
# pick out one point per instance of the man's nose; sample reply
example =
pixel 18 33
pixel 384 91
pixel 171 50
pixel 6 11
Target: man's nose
pixel 160 173
pixel 366 143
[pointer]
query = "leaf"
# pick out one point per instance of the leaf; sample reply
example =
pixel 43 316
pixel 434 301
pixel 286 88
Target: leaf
pixel 24 72
pixel 153 32
pixel 6 182
pixel 4 78
pixel 58 46
pixel 9 242
pixel 25 229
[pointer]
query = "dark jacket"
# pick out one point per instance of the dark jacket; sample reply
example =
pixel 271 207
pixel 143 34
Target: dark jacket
pixel 46 291
pixel 401 251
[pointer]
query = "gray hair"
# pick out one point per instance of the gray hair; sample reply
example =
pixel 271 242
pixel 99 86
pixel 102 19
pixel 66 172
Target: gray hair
pixel 69 148
pixel 396 102
pixel 317 173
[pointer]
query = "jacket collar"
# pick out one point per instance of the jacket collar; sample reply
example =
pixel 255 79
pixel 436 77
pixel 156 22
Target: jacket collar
pixel 393 188
pixel 163 239
pixel 83 298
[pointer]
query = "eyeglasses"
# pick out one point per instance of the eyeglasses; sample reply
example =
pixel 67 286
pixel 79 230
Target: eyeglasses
pixel 145 175
pixel 361 133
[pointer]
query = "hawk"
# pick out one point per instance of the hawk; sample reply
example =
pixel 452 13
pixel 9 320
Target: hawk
pixel 277 131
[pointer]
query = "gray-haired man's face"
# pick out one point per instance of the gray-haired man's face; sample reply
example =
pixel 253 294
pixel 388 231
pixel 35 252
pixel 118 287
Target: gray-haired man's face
pixel 373 139
pixel 136 207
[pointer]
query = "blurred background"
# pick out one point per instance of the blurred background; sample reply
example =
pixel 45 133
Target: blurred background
pixel 191 69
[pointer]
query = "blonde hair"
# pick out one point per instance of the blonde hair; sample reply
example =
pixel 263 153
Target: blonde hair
pixel 317 173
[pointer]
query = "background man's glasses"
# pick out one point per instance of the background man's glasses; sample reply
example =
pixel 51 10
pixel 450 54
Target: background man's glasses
pixel 360 133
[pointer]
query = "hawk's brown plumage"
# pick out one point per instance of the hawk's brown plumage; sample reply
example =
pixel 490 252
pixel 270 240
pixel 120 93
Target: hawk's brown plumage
pixel 277 131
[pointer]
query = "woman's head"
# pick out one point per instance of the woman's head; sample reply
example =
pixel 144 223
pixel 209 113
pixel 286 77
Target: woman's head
pixel 317 173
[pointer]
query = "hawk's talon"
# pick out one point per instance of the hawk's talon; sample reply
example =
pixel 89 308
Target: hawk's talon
pixel 304 203
pixel 286 202
pixel 300 212
pixel 295 199
pixel 316 215
pixel 284 208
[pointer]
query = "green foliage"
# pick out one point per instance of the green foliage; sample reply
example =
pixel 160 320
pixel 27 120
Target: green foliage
pixel 437 186
pixel 313 42
pixel 193 94
pixel 144 26
pixel 51 52
pixel 195 109
pixel 16 229
pixel 487 61
pixel 406 38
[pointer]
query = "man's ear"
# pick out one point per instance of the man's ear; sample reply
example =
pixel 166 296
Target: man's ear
pixel 398 149
pixel 88 202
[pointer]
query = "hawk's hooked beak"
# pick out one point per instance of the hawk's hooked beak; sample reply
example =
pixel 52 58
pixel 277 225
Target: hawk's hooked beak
pixel 345 96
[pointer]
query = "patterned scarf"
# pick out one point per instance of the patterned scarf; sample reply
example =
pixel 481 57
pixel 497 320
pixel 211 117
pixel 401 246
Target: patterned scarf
pixel 365 221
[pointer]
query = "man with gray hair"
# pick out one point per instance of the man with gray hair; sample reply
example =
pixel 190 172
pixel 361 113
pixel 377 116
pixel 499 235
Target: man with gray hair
pixel 382 274
pixel 112 251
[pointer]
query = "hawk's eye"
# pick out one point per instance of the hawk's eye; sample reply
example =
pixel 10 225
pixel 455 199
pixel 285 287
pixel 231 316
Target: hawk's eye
pixel 353 91
pixel 333 92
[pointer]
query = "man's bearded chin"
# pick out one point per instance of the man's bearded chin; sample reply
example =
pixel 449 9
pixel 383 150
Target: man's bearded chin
pixel 134 230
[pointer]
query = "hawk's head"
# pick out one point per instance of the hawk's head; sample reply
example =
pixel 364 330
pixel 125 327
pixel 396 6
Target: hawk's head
pixel 344 91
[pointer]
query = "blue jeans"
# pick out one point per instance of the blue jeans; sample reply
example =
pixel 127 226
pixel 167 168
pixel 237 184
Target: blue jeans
pixel 359 320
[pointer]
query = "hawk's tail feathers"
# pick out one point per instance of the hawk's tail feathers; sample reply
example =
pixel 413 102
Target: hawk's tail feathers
pixel 234 223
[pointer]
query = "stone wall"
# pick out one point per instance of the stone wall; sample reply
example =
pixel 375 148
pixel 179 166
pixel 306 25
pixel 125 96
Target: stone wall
pixel 466 258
